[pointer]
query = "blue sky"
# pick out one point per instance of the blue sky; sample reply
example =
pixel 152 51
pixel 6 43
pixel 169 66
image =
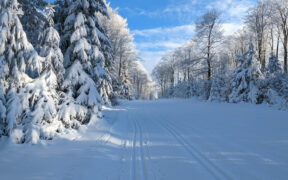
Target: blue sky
pixel 162 25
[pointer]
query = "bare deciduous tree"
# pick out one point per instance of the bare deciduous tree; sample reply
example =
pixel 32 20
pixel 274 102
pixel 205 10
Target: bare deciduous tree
pixel 258 22
pixel 281 14
pixel 209 32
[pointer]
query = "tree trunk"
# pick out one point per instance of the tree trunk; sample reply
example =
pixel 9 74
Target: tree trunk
pixel 209 69
pixel 272 41
pixel 260 53
pixel 285 44
pixel 277 48
pixel 172 80
pixel 188 74
pixel 120 66
pixel 209 60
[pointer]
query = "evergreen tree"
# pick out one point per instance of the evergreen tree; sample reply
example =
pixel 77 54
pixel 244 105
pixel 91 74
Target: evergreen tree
pixel 97 58
pixel 274 65
pixel 49 46
pixel 33 20
pixel 40 99
pixel 40 120
pixel 19 64
pixel 219 90
pixel 284 88
pixel 49 12
pixel 61 13
pixel 85 64
pixel 246 79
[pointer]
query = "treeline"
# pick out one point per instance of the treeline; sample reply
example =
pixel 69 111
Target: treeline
pixel 249 66
pixel 59 63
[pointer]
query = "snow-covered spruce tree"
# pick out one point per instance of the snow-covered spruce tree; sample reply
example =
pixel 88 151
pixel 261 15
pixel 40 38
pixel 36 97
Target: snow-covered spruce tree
pixel 61 13
pixel 85 82
pixel 33 20
pixel 246 79
pixel 40 120
pixel 19 63
pixel 182 90
pixel 284 89
pixel 104 78
pixel 274 80
pixel 274 65
pixel 91 33
pixel 219 89
pixel 49 46
pixel 49 13
pixel 18 53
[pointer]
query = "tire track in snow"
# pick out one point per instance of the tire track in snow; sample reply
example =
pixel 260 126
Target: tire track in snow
pixel 214 170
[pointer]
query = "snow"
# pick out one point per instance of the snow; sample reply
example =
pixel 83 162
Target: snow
pixel 164 139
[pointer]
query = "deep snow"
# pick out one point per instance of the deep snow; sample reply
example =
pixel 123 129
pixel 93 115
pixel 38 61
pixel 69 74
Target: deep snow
pixel 164 139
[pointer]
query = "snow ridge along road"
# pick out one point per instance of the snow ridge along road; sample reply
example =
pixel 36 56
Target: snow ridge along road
pixel 161 140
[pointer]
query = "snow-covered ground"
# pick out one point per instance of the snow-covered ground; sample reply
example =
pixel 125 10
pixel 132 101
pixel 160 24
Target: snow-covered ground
pixel 165 139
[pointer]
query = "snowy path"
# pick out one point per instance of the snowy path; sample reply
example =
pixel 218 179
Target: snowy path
pixel 165 139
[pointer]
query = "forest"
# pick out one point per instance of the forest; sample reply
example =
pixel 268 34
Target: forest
pixel 248 66
pixel 80 100
pixel 60 62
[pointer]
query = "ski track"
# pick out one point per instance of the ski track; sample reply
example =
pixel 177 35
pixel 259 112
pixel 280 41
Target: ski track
pixel 133 157
pixel 141 151
pixel 214 170
pixel 152 170
pixel 138 157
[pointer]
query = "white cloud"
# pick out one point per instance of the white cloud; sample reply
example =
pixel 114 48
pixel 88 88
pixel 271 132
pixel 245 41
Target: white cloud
pixel 232 10
pixel 143 12
pixel 231 28
pixel 186 29
pixel 153 43
pixel 160 44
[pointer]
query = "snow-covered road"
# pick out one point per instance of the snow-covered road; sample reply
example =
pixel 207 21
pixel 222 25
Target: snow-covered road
pixel 165 139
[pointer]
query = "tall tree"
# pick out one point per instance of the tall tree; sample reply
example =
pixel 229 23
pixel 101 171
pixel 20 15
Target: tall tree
pixel 245 79
pixel 281 17
pixel 19 63
pixel 258 21
pixel 40 120
pixel 86 82
pixel 209 32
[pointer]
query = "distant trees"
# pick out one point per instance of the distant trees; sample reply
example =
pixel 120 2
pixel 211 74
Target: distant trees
pixel 227 69
pixel 131 80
